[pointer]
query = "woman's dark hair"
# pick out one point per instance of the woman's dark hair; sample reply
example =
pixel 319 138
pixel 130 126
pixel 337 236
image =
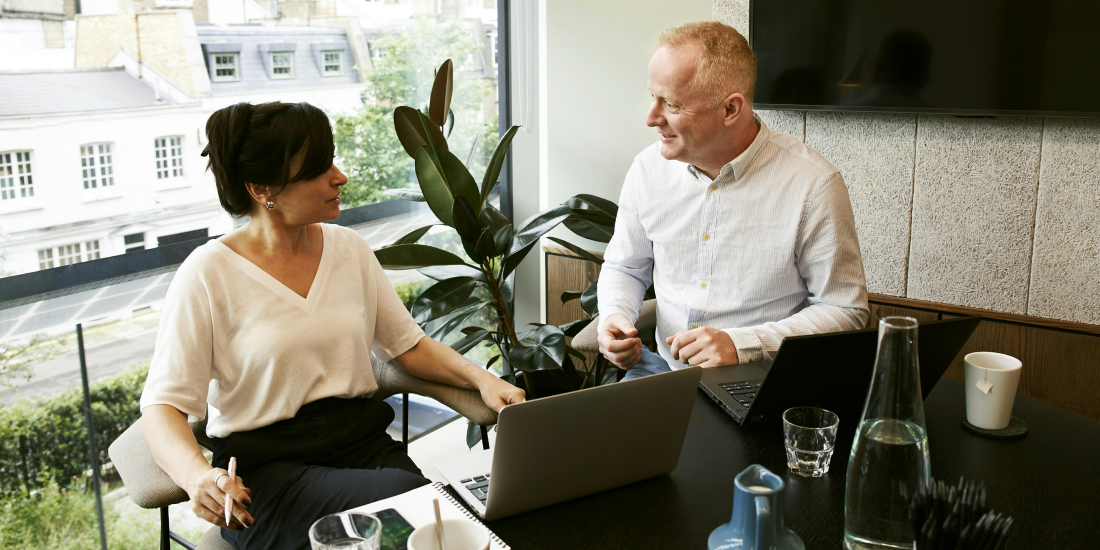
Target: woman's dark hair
pixel 254 144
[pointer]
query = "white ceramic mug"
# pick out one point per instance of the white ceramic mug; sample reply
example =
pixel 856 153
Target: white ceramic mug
pixel 458 533
pixel 999 375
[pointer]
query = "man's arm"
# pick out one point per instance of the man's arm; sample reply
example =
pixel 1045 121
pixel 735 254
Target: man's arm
pixel 829 261
pixel 626 273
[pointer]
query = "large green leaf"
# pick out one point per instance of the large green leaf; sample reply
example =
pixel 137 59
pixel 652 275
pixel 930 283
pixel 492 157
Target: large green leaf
pixel 443 272
pixel 578 251
pixel 484 246
pixel 502 240
pixel 414 235
pixel 467 343
pixel 416 130
pixel 533 229
pixel 493 218
pixel 574 328
pixel 442 298
pixel 590 224
pixel 540 349
pixel 459 316
pixel 492 172
pixel 592 202
pixel 414 256
pixel 407 194
pixel 570 295
pixel 508 288
pixel 588 299
pixel 466 220
pixel 440 105
pixel 442 181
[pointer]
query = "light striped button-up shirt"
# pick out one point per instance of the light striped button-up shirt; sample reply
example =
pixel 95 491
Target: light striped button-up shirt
pixel 765 251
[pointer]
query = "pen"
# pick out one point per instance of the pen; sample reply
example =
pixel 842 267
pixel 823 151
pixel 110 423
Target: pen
pixel 228 499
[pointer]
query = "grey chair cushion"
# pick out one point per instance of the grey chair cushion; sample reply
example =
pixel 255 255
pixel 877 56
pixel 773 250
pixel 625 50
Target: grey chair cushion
pixel 585 340
pixel 146 483
pixel 212 540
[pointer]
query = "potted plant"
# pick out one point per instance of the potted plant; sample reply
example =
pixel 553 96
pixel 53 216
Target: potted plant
pixel 538 359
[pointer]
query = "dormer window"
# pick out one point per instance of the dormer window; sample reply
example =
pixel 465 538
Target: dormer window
pixel 332 63
pixel 226 67
pixel 282 65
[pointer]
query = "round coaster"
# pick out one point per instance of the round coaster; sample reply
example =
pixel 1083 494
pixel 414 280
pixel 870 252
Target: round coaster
pixel 1016 428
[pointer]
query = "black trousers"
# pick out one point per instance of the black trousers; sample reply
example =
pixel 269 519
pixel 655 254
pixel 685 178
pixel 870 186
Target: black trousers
pixel 333 455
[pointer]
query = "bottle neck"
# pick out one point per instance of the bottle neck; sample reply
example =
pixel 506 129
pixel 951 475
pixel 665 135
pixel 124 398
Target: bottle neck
pixel 895 386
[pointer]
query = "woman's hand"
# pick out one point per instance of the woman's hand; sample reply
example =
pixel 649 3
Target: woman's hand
pixel 207 491
pixel 497 393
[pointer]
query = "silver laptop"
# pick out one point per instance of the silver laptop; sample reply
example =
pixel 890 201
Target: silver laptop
pixel 545 448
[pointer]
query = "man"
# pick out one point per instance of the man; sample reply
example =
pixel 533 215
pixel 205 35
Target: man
pixel 746 234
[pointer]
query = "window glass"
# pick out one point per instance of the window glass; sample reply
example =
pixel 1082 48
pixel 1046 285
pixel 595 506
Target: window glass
pixel 282 64
pixel 15 175
pixel 169 156
pixel 97 169
pixel 333 63
pixel 225 67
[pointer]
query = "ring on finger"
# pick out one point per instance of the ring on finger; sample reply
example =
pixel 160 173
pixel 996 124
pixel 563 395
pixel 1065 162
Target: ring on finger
pixel 218 478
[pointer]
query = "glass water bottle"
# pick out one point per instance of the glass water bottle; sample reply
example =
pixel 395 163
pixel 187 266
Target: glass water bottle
pixel 890 451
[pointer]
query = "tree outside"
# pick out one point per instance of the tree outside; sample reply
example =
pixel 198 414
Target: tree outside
pixel 367 147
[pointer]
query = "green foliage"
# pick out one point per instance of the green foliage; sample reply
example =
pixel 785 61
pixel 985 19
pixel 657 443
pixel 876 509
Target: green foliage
pixel 408 292
pixel 47 439
pixel 367 146
pixel 65 519
pixel 476 277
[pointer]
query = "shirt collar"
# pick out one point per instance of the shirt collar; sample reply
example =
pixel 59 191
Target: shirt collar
pixel 740 164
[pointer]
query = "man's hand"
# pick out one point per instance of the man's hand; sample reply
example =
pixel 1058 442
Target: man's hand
pixel 703 347
pixel 619 343
pixel 497 393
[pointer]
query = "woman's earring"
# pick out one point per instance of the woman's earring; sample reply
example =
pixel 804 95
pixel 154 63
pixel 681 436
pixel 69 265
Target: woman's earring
pixel 270 204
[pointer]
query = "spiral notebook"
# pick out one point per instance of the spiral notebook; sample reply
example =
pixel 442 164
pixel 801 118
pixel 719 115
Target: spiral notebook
pixel 416 507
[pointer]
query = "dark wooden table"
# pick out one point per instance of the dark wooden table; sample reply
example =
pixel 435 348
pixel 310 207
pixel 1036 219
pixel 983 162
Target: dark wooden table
pixel 1049 481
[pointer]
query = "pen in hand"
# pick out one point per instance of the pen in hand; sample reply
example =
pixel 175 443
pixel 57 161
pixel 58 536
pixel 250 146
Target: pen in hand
pixel 229 499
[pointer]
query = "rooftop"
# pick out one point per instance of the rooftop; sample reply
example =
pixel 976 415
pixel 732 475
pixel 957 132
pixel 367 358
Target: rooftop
pixel 73 91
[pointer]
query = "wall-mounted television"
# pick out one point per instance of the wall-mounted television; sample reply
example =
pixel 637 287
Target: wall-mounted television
pixel 962 57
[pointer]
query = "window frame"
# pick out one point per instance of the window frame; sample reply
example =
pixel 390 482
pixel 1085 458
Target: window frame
pixel 290 75
pixel 235 77
pixel 172 152
pixel 53 282
pixel 339 63
pixel 12 179
pixel 108 164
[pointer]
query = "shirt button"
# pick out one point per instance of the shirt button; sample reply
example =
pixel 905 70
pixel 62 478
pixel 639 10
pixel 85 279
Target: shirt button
pixel 322 434
pixel 714 187
pixel 315 417
pixel 706 237
pixel 694 326
pixel 702 285
pixel 327 456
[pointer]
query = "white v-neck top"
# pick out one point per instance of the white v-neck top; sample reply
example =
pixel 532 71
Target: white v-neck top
pixel 235 338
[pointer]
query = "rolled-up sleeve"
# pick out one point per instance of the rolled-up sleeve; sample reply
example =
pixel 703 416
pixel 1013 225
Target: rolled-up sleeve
pixel 627 269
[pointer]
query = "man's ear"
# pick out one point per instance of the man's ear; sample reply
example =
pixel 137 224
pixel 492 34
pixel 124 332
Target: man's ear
pixel 734 105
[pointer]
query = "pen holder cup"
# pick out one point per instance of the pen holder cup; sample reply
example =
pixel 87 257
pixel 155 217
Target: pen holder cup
pixel 757 520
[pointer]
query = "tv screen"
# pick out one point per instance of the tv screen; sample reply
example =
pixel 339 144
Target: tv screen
pixel 968 57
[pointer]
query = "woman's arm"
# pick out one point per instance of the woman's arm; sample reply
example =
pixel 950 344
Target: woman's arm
pixel 435 362
pixel 177 453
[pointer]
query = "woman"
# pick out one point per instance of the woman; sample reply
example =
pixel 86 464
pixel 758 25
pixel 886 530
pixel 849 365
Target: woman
pixel 272 326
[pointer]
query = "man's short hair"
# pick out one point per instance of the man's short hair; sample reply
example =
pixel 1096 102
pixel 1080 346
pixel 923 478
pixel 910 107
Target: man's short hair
pixel 726 63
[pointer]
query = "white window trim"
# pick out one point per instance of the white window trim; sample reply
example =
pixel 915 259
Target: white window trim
pixel 236 67
pixel 340 63
pixel 98 186
pixel 69 253
pixel 277 76
pixel 15 188
pixel 172 164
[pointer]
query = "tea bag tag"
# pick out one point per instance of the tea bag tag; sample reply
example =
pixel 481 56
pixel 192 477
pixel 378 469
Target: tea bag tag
pixel 984 386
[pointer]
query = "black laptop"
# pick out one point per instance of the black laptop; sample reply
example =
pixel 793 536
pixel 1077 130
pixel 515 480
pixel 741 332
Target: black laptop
pixel 832 371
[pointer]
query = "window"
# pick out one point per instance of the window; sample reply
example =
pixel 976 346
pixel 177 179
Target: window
pixel 15 175
pixel 45 258
pixel 491 36
pixel 68 254
pixel 376 52
pixel 134 243
pixel 225 67
pixel 282 64
pixel 333 63
pixel 169 151
pixel 95 161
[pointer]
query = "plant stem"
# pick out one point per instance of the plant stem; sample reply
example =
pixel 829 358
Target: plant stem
pixel 505 317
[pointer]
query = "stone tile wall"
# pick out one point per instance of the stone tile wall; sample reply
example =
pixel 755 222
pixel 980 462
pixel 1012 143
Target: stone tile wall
pixel 1000 214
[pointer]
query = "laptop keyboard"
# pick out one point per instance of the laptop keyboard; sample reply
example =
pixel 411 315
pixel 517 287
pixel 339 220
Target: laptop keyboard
pixel 479 486
pixel 742 392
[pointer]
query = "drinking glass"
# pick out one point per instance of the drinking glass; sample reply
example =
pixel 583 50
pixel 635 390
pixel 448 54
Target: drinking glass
pixel 809 434
pixel 346 531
